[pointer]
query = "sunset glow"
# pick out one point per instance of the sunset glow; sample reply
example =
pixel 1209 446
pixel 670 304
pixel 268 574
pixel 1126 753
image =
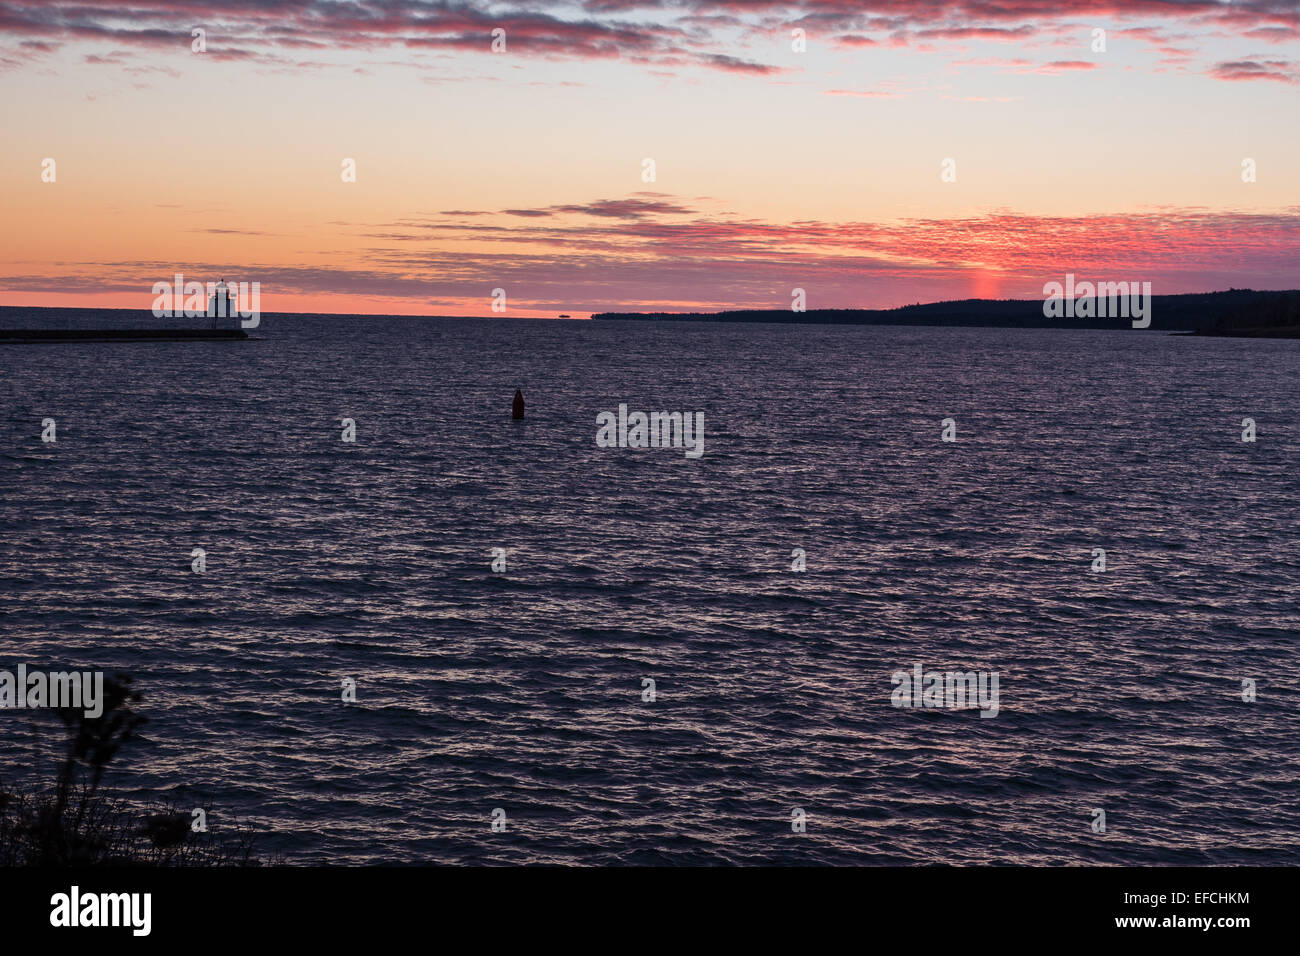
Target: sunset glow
pixel 523 169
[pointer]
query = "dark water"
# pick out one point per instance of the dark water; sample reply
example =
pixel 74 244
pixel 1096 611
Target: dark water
pixel 1119 690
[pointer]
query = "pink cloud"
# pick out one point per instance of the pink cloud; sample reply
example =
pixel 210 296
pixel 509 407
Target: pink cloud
pixel 689 33
pixel 1282 71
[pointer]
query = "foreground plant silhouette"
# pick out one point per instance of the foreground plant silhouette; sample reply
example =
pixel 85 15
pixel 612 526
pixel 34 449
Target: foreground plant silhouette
pixel 74 823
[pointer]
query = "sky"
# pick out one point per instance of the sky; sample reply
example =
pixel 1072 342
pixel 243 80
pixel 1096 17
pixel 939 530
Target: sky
pixel 871 154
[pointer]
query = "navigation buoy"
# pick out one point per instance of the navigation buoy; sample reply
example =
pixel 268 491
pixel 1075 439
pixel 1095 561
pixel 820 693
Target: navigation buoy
pixel 517 408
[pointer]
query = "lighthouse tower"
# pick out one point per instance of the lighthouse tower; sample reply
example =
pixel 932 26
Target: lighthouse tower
pixel 222 305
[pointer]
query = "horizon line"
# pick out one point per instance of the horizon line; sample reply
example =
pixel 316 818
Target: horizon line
pixel 590 315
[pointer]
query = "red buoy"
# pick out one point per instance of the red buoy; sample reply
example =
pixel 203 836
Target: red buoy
pixel 517 408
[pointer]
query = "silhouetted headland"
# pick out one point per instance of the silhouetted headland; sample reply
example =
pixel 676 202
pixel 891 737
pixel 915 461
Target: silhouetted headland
pixel 1236 312
pixel 1271 315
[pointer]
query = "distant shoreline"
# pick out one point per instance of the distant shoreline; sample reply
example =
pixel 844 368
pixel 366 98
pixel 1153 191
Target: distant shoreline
pixel 1235 312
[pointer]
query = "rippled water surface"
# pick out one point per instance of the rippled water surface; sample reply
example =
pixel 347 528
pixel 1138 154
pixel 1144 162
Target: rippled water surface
pixel 1119 690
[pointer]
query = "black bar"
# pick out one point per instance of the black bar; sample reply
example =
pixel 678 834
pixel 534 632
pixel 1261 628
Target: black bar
pixel 935 908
